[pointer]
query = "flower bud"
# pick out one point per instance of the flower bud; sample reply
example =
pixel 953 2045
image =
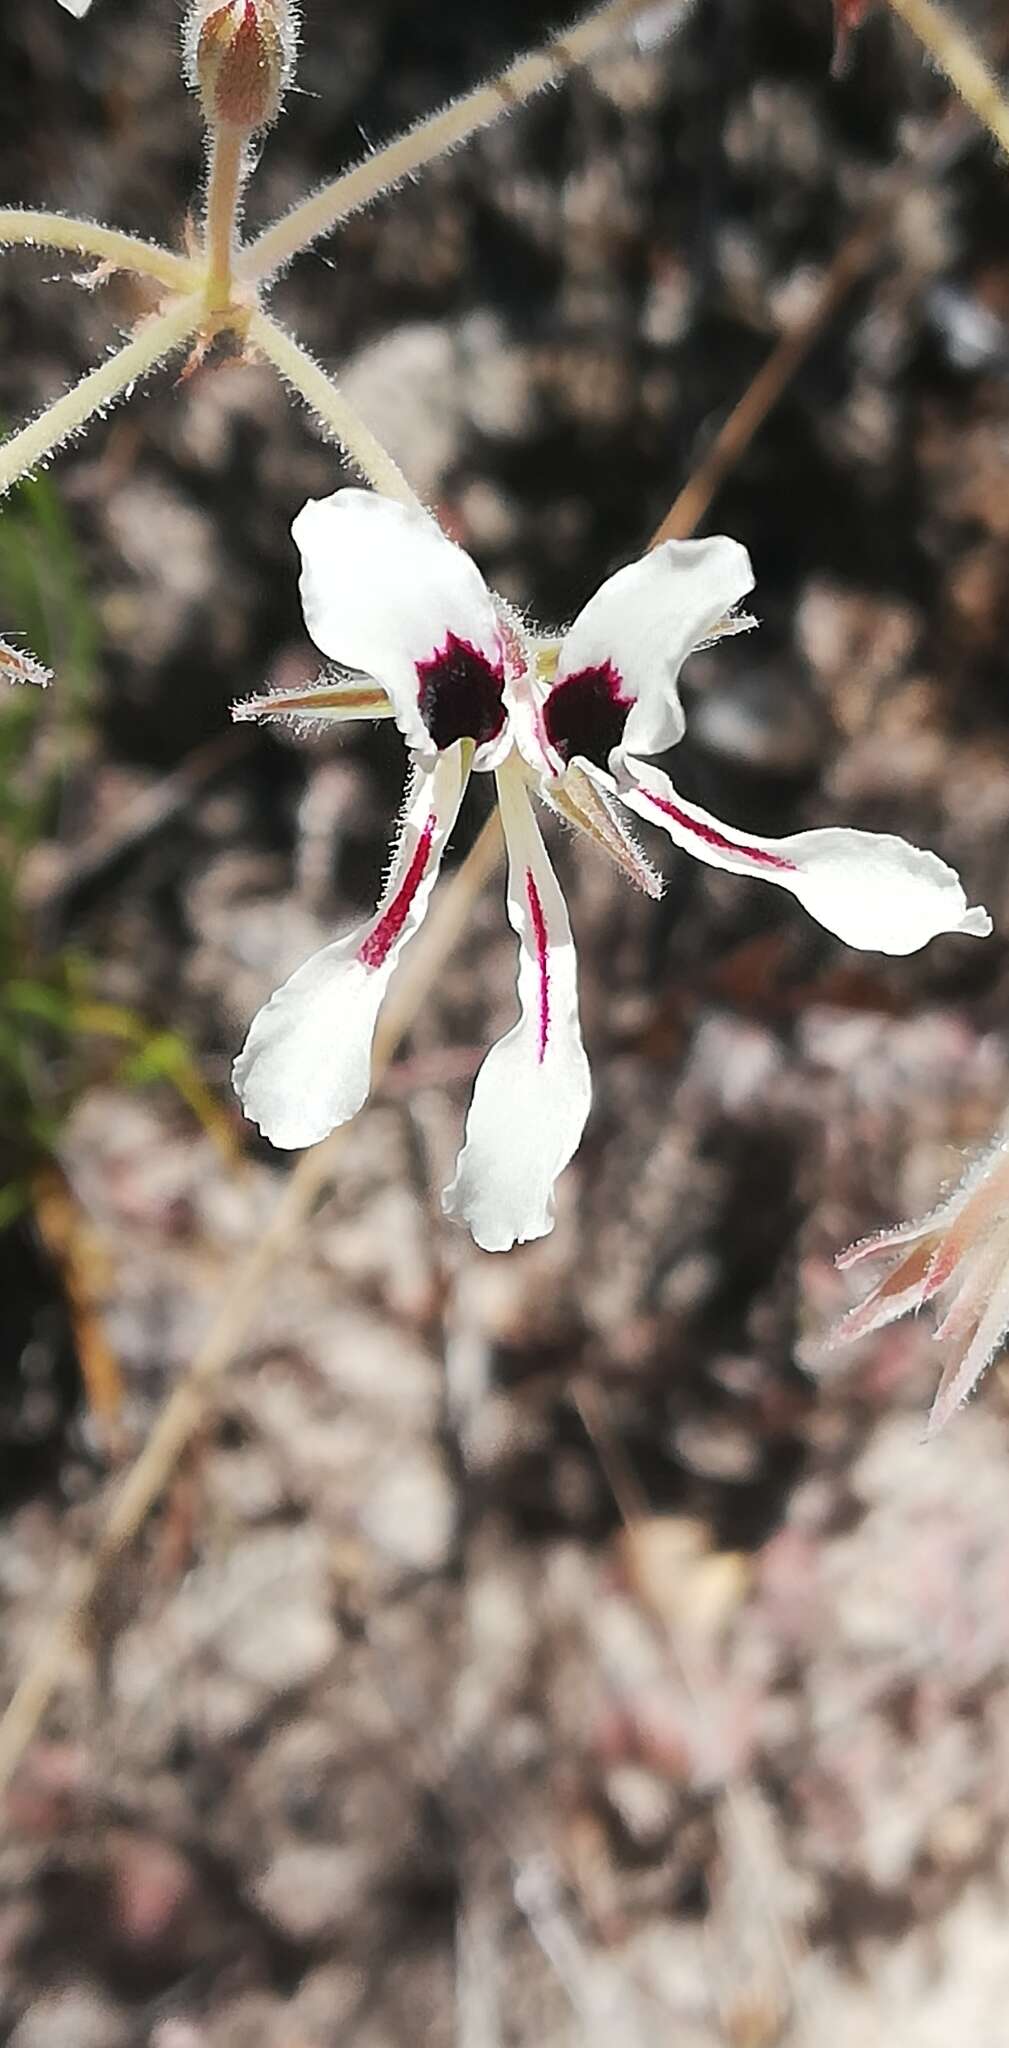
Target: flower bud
pixel 239 58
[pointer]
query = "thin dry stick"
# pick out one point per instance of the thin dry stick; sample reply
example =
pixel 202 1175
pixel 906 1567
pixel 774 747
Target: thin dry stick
pixel 853 260
pixel 770 383
pixel 954 53
pixel 437 133
pixel 241 1299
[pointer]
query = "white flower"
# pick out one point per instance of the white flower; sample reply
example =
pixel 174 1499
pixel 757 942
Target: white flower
pixel 408 617
pixel 958 1258
pixel 77 7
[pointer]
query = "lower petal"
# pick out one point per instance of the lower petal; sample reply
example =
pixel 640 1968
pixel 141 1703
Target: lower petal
pixel 305 1066
pixel 533 1092
pixel 870 889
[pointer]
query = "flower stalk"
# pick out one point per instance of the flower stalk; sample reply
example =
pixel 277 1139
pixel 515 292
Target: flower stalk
pixel 438 133
pixel 224 186
pixel 952 50
pixel 31 228
pixel 154 340
pixel 239 57
pixel 332 410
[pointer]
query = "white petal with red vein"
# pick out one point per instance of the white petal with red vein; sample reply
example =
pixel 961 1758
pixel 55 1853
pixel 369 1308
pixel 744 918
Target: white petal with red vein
pixel 870 889
pixel 305 1066
pixel 533 1092
pixel 646 619
pixel 382 590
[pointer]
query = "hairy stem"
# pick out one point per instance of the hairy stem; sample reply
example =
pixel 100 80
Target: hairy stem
pixel 156 339
pixel 440 132
pixel 963 65
pixel 227 167
pixel 22 226
pixel 240 1301
pixel 336 414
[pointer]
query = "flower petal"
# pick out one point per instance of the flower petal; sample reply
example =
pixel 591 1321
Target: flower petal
pixel 533 1092
pixel 306 1063
pixel 385 592
pixel 644 621
pixel 870 889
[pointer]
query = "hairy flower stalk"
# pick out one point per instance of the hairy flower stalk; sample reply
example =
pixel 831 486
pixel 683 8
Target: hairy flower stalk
pixel 956 1259
pixel 239 58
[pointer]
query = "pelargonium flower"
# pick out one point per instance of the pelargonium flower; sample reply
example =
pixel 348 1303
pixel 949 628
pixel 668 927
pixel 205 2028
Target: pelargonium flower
pixel 421 639
pixel 958 1258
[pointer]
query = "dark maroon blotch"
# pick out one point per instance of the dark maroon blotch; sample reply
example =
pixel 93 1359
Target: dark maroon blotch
pixel 586 714
pixel 461 696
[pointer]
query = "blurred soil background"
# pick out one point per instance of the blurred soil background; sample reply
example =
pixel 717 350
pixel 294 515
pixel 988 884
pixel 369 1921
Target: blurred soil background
pixel 389 1729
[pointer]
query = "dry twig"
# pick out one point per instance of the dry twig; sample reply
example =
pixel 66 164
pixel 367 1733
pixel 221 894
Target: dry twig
pixel 241 1298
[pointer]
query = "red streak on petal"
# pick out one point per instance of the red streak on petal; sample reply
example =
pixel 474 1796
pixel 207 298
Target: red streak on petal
pixel 381 939
pixel 712 837
pixel 540 930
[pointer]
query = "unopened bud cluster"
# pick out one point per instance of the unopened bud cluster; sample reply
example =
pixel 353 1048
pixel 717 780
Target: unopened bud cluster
pixel 239 58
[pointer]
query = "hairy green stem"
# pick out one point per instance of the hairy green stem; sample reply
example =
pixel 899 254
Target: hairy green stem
pixel 27 227
pixel 963 65
pixel 326 401
pixel 227 167
pixel 156 339
pixel 440 132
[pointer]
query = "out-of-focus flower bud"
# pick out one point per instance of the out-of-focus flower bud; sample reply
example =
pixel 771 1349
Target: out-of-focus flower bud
pixel 239 58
